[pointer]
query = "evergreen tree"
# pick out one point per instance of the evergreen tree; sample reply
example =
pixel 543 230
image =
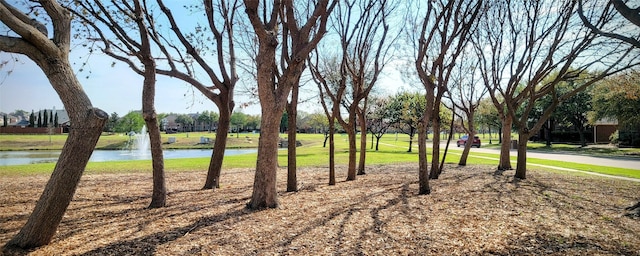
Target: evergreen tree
pixel 45 121
pixel 39 119
pixel 51 117
pixel 55 120
pixel 4 123
pixel 32 119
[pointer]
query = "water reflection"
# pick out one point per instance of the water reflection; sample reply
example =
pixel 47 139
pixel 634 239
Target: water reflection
pixel 49 156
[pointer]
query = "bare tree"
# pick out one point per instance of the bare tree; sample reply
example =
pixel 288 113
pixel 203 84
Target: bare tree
pixel 304 10
pixel 331 93
pixel 466 94
pixel 30 37
pixel 271 22
pixel 379 119
pixel 528 49
pixel 183 59
pixel 616 30
pixel 443 34
pixel 159 194
pixel 362 27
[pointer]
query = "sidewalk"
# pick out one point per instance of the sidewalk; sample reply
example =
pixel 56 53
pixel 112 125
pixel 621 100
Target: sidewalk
pixel 621 162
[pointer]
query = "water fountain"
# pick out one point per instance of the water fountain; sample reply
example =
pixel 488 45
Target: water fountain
pixel 138 144
pixel 142 142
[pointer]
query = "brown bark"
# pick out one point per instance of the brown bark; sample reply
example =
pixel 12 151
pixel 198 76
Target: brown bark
pixel 423 170
pixel 471 132
pixel 50 208
pixel 467 148
pixel 521 166
pixel 51 55
pixel 363 140
pixel 435 153
pixel 264 186
pixel 292 110
pixel 505 147
pixel 351 137
pixel 159 194
pixel 215 165
pixel 274 88
pixel 332 153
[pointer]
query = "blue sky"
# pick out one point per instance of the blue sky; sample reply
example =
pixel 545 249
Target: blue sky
pixel 24 86
pixel 114 89
pixel 118 89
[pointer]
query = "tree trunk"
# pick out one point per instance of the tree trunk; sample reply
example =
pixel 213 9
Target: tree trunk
pixel 372 135
pixel 377 142
pixel 87 124
pixel 446 148
pixel 264 184
pixel 435 154
pixel 583 141
pixel 521 166
pixel 219 146
pixel 159 194
pixel 351 134
pixel 50 208
pixel 423 170
pixel 505 147
pixel 332 152
pixel 471 132
pixel 411 134
pixel 292 109
pixel 548 133
pixel 363 143
pixel 326 137
pixel 272 102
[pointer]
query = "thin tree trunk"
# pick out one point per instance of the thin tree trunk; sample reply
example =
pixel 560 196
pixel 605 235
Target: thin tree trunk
pixel 583 141
pixel 326 137
pixel 548 134
pixel 465 151
pixel 446 148
pixel 351 134
pixel 292 110
pixel 505 147
pixel 377 142
pixel 219 146
pixel 411 134
pixel 332 153
pixel 159 195
pixel 521 166
pixel 471 133
pixel 435 154
pixel 363 143
pixel 423 170
pixel 372 135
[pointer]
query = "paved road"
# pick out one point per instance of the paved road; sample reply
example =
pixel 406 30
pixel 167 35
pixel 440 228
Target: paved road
pixel 622 162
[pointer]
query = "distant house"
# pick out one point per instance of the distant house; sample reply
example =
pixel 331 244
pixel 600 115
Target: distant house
pixel 63 118
pixel 603 129
pixel 19 125
pixel 169 123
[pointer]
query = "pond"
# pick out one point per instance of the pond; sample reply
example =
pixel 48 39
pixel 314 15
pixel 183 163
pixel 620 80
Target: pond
pixel 48 156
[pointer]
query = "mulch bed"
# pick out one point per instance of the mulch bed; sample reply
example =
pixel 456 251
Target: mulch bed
pixel 471 211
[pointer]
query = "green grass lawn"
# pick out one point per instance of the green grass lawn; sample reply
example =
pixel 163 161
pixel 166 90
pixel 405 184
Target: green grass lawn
pixel 392 149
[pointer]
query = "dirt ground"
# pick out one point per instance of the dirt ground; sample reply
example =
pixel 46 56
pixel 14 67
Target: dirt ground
pixel 471 211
